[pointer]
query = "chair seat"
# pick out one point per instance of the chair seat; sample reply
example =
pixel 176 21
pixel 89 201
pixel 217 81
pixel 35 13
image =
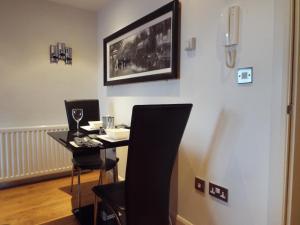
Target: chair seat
pixel 94 162
pixel 112 194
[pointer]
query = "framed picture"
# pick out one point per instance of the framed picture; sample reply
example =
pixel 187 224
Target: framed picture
pixel 145 50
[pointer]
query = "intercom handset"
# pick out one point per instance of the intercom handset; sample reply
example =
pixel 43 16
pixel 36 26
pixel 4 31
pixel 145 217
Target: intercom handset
pixel 232 22
pixel 232 29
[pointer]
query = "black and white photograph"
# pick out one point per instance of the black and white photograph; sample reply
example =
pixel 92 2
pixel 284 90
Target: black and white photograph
pixel 148 50
pixel 143 53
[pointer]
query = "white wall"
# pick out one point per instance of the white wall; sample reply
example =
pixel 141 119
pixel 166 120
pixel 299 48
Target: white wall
pixel 31 89
pixel 280 79
pixel 228 137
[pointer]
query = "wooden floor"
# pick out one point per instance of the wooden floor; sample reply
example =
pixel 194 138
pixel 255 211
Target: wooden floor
pixel 47 203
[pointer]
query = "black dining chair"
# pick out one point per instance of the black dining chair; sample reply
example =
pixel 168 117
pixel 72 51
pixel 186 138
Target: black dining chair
pixel 90 111
pixel 88 160
pixel 143 198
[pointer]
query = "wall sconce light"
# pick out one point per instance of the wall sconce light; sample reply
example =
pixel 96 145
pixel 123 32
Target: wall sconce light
pixel 60 52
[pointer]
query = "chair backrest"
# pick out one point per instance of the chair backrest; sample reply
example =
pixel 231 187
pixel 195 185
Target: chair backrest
pixel 155 135
pixel 90 111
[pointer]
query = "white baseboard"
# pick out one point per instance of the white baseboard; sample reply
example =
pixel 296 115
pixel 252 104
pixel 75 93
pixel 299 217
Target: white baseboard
pixel 121 178
pixel 182 221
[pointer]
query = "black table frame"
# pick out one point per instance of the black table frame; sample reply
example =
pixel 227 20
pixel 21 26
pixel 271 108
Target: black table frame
pixel 64 138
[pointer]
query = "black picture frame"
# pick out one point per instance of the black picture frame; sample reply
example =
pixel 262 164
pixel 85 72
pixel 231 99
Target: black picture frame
pixel 145 50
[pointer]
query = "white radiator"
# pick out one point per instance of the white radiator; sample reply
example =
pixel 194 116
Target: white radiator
pixel 29 152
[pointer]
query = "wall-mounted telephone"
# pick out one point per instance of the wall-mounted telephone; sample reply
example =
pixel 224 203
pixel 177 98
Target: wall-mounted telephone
pixel 232 22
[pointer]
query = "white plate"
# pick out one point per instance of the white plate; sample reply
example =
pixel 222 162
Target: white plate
pixel 107 138
pixel 89 128
pixel 74 144
pixel 96 124
pixel 118 133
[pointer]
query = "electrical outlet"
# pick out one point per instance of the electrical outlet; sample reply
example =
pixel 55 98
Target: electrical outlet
pixel 218 192
pixel 199 184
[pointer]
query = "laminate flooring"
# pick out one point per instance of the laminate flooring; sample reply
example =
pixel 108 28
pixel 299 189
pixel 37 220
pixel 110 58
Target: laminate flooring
pixel 48 202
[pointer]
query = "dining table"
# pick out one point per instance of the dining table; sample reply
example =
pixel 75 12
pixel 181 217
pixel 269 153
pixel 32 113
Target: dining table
pixel 84 214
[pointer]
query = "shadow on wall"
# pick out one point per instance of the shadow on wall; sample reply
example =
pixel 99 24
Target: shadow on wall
pixel 214 143
pixel 202 164
pixel 187 192
pixel 174 192
pixel 167 88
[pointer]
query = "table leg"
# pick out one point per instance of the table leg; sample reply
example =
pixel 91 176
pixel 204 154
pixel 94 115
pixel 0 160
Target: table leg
pixel 79 191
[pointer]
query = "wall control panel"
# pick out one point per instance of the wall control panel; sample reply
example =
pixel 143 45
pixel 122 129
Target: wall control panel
pixel 245 75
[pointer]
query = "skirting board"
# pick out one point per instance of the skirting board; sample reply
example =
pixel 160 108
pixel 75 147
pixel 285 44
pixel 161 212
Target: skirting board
pixel 182 221
pixel 179 219
pixel 121 178
pixel 34 179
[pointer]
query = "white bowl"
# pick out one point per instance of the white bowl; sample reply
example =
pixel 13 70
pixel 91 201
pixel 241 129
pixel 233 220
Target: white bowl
pixel 118 133
pixel 96 124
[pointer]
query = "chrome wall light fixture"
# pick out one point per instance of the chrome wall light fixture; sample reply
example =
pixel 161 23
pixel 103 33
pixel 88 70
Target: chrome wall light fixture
pixel 60 52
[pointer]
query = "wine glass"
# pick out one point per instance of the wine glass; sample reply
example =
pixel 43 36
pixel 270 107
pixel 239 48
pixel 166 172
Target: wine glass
pixel 77 115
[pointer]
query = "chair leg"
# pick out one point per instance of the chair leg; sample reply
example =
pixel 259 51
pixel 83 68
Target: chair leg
pixel 79 191
pixel 170 221
pixel 116 174
pixel 72 178
pixel 95 210
pixel 100 180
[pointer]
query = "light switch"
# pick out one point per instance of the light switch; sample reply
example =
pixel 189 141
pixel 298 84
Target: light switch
pixel 245 75
pixel 200 184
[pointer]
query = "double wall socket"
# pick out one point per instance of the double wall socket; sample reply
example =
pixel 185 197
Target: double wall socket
pixel 218 192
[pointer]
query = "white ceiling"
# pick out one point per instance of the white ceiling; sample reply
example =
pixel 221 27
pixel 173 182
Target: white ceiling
pixel 92 5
